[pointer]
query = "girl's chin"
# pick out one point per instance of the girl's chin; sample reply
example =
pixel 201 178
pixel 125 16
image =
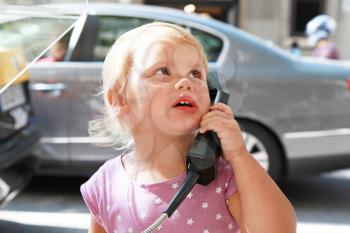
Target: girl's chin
pixel 178 129
pixel 176 124
pixel 186 129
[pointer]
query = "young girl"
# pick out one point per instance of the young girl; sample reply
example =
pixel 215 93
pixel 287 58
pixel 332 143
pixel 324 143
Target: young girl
pixel 155 90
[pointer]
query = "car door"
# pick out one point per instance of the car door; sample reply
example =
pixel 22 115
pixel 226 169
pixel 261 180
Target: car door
pixel 50 91
pixel 50 94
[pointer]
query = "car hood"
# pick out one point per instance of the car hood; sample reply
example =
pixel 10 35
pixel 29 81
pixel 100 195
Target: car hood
pixel 323 68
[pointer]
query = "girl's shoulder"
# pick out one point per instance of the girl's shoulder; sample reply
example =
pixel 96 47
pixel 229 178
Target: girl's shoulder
pixel 104 173
pixel 109 166
pixel 96 189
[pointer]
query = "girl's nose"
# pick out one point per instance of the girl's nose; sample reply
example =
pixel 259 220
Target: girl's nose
pixel 184 84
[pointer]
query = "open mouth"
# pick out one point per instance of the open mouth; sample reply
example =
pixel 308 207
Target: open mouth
pixel 184 104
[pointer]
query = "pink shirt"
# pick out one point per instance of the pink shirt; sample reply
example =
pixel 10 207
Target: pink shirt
pixel 120 204
pixel 49 59
pixel 326 49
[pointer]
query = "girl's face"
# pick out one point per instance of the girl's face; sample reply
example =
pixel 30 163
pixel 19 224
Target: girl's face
pixel 167 89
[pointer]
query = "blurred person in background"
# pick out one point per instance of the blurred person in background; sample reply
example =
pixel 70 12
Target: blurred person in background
pixel 57 52
pixel 319 31
pixel 294 48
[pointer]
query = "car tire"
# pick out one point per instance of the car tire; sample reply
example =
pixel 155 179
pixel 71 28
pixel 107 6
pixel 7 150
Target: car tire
pixel 264 147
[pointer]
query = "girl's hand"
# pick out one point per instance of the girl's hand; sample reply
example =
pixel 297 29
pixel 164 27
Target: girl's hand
pixel 220 119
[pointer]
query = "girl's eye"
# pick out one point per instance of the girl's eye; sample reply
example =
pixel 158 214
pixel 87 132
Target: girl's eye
pixel 196 74
pixel 163 71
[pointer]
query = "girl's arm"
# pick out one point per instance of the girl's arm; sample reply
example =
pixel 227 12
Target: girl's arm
pixel 259 205
pixel 95 227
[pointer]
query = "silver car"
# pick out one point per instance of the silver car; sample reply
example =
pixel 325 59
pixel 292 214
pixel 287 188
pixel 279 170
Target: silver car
pixel 295 112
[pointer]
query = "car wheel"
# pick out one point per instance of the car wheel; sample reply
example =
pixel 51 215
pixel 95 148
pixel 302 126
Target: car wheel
pixel 263 146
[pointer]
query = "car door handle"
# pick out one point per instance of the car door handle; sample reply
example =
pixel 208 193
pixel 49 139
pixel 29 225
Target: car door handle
pixel 47 87
pixel 53 89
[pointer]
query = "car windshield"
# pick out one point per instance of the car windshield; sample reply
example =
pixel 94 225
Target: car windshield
pixel 32 29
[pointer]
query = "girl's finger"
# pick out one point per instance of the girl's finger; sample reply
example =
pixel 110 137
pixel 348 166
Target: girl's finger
pixel 216 113
pixel 222 107
pixel 216 118
pixel 216 126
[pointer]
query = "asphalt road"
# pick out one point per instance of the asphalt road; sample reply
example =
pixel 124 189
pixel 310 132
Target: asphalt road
pixel 52 205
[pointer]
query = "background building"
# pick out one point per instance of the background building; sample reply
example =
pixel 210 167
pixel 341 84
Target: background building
pixel 284 21
pixel 224 10
pixel 280 22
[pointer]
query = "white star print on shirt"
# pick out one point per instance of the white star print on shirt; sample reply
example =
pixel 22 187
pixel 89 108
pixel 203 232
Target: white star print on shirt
pixel 205 205
pixel 158 201
pixel 230 226
pixel 218 216
pixel 159 227
pixel 130 230
pixel 174 186
pixel 190 221
pixel 218 190
pixel 206 231
pixel 143 215
pixel 190 195
pixel 119 217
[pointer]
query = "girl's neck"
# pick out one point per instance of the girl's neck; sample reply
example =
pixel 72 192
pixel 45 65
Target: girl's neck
pixel 158 156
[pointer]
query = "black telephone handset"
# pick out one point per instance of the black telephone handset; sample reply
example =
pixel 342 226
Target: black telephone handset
pixel 206 148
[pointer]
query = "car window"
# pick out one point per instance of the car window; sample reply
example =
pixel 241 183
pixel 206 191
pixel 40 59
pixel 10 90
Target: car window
pixel 212 44
pixel 111 27
pixel 32 35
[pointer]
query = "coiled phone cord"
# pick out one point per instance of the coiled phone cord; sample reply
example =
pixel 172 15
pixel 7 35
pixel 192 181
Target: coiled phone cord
pixel 186 187
pixel 157 223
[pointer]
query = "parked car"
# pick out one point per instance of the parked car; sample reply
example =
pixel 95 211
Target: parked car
pixel 295 112
pixel 18 132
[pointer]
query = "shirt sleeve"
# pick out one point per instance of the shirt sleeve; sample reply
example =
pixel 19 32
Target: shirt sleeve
pixel 230 182
pixel 90 194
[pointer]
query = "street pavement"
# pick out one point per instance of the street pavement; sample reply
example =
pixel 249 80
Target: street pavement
pixel 54 205
pixel 322 203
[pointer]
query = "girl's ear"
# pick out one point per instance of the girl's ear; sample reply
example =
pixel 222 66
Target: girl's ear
pixel 117 101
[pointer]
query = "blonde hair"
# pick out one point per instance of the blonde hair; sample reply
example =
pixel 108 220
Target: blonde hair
pixel 116 69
